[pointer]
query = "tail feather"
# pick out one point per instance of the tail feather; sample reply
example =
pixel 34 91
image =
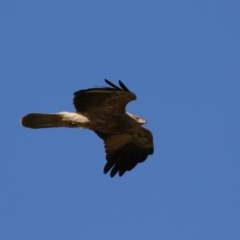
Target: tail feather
pixel 41 120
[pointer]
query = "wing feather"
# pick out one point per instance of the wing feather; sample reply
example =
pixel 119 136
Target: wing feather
pixel 125 151
pixel 112 100
pixel 123 86
pixel 112 84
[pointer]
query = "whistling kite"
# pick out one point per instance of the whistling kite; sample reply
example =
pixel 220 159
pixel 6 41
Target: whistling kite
pixel 103 111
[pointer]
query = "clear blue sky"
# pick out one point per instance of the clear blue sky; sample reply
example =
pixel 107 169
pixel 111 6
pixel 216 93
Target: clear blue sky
pixel 182 59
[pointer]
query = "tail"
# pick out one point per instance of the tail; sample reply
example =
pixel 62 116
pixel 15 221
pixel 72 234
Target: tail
pixel 41 120
pixel 61 119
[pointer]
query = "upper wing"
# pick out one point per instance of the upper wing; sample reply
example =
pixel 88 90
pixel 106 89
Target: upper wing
pixel 125 150
pixel 110 99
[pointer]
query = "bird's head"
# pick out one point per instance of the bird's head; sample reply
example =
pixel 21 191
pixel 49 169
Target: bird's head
pixel 140 120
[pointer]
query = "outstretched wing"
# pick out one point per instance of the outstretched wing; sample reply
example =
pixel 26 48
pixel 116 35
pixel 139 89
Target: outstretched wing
pixel 112 100
pixel 125 150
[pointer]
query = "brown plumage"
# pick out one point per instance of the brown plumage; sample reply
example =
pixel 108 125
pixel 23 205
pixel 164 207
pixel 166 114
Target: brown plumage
pixel 103 111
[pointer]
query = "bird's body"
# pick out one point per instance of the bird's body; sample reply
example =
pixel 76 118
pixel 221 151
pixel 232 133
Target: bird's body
pixel 103 111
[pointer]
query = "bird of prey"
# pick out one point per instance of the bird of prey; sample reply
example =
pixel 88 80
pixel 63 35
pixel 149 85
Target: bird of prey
pixel 102 110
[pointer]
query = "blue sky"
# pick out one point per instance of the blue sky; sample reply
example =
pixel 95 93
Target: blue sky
pixel 182 59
